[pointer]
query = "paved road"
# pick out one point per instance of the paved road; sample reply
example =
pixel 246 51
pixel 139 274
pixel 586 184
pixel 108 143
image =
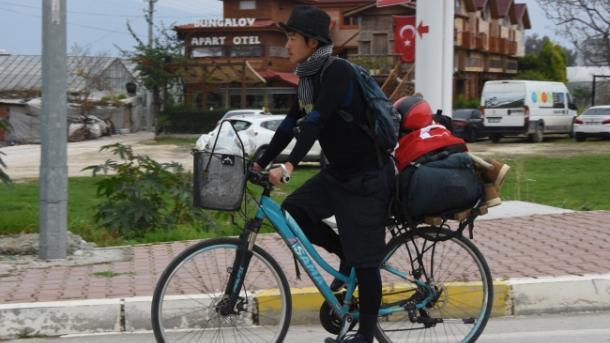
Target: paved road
pixel 588 327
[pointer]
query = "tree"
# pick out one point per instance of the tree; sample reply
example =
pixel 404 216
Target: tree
pixel 156 67
pixel 4 178
pixel 534 43
pixel 548 64
pixel 586 23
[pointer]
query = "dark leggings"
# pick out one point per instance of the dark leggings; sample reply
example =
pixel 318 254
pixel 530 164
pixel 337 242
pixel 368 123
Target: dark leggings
pixel 369 280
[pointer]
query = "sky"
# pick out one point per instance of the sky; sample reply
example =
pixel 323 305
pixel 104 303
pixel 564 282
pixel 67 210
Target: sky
pixel 100 25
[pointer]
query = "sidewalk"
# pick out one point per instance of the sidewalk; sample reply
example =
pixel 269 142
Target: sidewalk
pixel 550 263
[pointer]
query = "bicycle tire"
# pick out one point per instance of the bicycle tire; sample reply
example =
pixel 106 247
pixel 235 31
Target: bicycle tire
pixel 185 297
pixel 465 300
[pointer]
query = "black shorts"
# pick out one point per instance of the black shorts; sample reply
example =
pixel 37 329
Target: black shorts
pixel 360 205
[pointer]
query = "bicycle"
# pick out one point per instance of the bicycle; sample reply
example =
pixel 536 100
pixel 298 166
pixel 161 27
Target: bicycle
pixel 436 285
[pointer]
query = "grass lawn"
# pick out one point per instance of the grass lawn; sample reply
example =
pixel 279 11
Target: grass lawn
pixel 19 205
pixel 579 183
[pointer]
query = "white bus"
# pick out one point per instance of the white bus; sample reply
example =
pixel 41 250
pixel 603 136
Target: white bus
pixel 531 108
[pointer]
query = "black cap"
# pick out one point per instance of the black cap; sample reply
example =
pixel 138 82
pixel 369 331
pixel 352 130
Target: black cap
pixel 309 21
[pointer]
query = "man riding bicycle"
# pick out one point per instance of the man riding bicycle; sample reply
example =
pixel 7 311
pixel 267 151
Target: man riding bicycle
pixel 356 186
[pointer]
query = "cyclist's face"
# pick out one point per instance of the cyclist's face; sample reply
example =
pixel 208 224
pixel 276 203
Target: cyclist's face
pixel 298 49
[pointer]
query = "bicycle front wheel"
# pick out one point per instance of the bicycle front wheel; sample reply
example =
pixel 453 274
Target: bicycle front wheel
pixel 185 306
pixel 452 298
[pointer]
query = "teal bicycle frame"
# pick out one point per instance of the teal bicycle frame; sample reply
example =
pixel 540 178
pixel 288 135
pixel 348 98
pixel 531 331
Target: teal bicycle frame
pixel 304 251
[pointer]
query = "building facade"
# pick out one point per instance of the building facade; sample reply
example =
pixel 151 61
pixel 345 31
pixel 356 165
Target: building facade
pixel 241 57
pixel 239 60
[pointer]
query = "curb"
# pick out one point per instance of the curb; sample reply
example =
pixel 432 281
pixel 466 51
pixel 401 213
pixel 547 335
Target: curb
pixel 525 296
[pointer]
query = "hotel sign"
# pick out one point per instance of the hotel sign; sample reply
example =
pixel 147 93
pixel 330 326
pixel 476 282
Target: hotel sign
pixel 225 22
pixel 215 41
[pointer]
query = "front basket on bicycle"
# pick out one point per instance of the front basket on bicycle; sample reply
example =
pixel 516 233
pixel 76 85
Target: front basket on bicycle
pixel 218 180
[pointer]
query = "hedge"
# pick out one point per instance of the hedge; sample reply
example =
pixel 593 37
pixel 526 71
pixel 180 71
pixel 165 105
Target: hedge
pixel 187 120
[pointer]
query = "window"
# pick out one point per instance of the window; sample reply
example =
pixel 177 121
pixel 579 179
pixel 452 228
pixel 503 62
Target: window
pixel 380 43
pixel 240 125
pixel 247 5
pixel 271 124
pixel 246 51
pixel 208 51
pixel 458 6
pixel 351 21
pixel 559 100
pixel 364 47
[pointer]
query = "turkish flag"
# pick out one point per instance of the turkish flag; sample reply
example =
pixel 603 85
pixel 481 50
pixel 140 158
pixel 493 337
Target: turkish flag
pixel 383 3
pixel 404 37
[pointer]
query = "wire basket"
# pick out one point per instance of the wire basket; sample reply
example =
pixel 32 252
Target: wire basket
pixel 219 180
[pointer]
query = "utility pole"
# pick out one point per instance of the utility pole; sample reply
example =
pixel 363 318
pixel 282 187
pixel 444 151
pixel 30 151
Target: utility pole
pixel 53 236
pixel 150 126
pixel 149 19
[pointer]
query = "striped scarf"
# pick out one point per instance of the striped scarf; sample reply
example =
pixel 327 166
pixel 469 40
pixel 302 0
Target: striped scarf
pixel 306 72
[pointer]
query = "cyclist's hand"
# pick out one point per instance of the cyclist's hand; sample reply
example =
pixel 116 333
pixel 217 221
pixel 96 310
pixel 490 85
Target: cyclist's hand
pixel 280 175
pixel 275 176
pixel 256 167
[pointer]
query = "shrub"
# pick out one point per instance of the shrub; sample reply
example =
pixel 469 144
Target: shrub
pixel 462 102
pixel 143 194
pixel 184 119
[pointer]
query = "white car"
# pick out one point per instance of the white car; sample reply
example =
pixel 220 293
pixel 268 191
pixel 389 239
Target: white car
pixel 256 133
pixel 593 122
pixel 241 113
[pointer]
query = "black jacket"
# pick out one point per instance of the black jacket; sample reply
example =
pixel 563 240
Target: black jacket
pixel 347 147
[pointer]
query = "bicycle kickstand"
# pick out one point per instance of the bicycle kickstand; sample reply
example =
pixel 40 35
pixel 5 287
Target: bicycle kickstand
pixel 346 325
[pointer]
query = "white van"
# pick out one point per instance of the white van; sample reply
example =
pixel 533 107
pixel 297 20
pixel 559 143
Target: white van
pixel 532 108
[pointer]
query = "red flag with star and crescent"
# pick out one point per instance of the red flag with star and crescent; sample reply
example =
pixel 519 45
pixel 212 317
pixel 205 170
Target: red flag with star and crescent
pixel 404 37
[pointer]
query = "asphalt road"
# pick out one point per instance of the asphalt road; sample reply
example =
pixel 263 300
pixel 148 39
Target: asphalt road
pixel 587 327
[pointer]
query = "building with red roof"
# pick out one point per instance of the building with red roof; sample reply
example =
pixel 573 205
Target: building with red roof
pixel 240 61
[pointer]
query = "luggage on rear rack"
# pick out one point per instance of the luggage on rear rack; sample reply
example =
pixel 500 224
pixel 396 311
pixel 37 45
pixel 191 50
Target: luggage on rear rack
pixel 219 175
pixel 438 185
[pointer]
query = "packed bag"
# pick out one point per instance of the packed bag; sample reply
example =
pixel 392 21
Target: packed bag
pixel 442 183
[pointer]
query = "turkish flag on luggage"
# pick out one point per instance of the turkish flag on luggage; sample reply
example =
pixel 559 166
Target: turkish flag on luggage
pixel 420 142
pixel 404 37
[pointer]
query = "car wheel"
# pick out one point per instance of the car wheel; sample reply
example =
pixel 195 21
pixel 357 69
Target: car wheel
pixel 538 135
pixel 579 137
pixel 495 138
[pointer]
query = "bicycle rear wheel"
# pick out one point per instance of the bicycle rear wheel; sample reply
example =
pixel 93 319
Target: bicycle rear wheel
pixel 455 277
pixel 185 303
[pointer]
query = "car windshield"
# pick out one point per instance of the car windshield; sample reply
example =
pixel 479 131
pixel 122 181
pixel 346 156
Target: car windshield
pixel 597 112
pixel 236 113
pixel 462 114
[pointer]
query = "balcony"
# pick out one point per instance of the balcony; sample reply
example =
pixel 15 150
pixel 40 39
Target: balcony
pixel 494 44
pixel 504 46
pixel 482 42
pixel 512 48
pixel 469 40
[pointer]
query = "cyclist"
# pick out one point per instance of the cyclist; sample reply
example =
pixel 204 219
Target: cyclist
pixel 357 184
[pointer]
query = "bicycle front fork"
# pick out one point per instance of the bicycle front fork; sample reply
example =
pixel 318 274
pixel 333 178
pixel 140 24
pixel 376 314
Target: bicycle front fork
pixel 239 268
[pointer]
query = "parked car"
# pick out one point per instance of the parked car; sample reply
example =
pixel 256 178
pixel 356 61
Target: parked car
pixel 594 122
pixel 531 108
pixel 262 128
pixel 242 113
pixel 468 124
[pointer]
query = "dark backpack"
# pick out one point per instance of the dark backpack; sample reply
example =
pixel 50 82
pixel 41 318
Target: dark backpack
pixel 383 119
